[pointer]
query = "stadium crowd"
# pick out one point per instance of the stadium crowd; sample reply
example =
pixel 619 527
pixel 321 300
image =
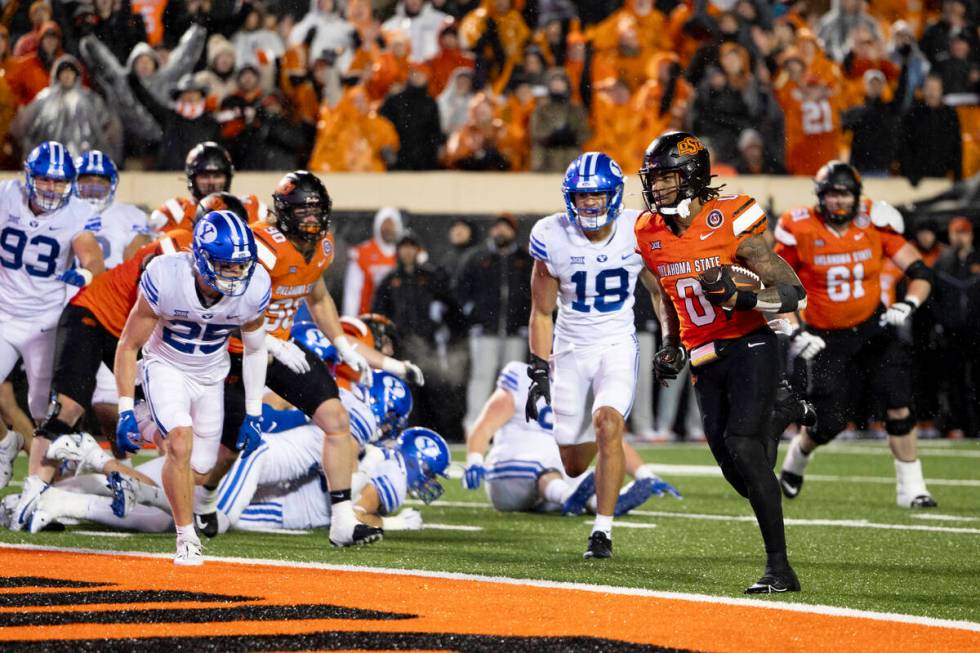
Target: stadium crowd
pixel 353 85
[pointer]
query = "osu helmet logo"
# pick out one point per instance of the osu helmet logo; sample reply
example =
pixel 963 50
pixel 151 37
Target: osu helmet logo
pixel 286 187
pixel 688 146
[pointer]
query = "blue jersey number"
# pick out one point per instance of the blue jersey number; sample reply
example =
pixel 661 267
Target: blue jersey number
pixel 13 242
pixel 611 289
pixel 188 337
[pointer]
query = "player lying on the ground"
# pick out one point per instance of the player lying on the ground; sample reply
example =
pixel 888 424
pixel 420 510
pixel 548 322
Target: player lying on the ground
pixel 523 470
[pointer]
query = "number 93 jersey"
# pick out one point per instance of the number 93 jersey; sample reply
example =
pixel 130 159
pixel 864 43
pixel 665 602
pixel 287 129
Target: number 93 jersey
pixel 189 336
pixel 35 250
pixel 710 241
pixel 595 296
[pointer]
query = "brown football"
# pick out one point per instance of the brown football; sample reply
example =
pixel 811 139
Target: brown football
pixel 744 278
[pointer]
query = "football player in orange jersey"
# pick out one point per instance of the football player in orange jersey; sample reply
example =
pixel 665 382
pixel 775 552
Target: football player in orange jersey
pixel 838 247
pixel 688 238
pixel 296 251
pixel 208 169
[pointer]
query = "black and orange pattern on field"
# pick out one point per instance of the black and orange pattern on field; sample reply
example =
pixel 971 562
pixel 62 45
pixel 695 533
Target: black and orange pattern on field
pixel 55 601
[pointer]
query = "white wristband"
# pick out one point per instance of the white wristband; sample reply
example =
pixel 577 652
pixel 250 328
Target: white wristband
pixel 474 458
pixel 124 404
pixel 253 407
pixel 86 274
pixel 393 366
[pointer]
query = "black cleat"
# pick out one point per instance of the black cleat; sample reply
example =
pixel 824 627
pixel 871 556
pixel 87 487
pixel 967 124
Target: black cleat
pixel 206 524
pixel 600 546
pixel 924 501
pixel 809 415
pixel 363 534
pixel 775 583
pixel 790 484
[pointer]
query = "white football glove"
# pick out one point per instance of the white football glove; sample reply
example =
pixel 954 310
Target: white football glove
pixel 884 214
pixel 806 345
pixel 288 353
pixel 408 519
pixel 781 326
pixel 404 369
pixel 897 313
pixel 355 359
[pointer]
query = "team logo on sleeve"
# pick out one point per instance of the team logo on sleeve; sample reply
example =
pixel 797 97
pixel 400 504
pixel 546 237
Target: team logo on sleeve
pixel 327 247
pixel 715 219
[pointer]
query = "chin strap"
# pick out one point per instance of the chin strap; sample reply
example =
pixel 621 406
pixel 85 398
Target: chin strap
pixel 683 209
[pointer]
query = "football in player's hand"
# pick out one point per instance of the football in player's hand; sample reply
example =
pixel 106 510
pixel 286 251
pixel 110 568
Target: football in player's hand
pixel 744 278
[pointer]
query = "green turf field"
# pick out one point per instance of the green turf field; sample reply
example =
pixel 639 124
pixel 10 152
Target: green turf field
pixel 849 542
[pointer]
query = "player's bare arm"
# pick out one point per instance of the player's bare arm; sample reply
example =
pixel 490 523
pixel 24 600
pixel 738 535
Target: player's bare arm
pixel 135 244
pixel 367 507
pixel 254 361
pixel 498 409
pixel 671 358
pixel 139 326
pixel 784 292
pixel 544 299
pixel 89 254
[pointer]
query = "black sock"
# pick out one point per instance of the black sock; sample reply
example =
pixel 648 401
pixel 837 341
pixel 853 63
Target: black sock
pixel 52 427
pixel 749 456
pixel 338 496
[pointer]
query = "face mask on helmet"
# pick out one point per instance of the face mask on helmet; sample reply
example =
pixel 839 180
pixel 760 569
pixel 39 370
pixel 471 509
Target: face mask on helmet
pixel 666 191
pixel 592 209
pixel 97 191
pixel 229 277
pixel 49 194
pixel 208 182
pixel 309 222
pixel 838 205
pixel 593 190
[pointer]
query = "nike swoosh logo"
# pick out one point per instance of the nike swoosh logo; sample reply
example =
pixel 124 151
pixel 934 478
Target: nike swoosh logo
pixel 200 522
pixel 272 426
pixel 707 235
pixel 626 256
pixel 756 344
pixel 789 489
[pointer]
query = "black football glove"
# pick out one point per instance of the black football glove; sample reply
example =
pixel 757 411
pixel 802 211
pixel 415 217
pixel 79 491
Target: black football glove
pixel 668 363
pixel 717 284
pixel 540 388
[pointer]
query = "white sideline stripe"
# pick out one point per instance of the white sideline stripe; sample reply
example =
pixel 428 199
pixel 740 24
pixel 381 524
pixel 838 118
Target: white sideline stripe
pixel 451 527
pixel 843 523
pixel 935 517
pixel 884 451
pixel 939 448
pixel 272 531
pixel 102 533
pixel 762 604
pixel 714 470
pixel 631 524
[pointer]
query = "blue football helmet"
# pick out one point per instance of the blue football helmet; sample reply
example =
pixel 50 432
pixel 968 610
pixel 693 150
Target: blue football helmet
pixel 391 403
pixel 49 160
pixel 426 456
pixel 593 172
pixel 224 252
pixel 309 335
pixel 96 163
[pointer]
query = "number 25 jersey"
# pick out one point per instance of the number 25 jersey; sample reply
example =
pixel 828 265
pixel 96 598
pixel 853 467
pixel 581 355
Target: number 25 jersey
pixel 189 336
pixel 595 295
pixel 710 241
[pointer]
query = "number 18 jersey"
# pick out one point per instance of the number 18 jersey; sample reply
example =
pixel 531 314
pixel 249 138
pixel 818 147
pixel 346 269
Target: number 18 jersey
pixel 710 241
pixel 190 336
pixel 595 296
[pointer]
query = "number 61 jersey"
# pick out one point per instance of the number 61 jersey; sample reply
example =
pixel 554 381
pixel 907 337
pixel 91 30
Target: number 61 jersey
pixel 595 296
pixel 711 240
pixel 189 336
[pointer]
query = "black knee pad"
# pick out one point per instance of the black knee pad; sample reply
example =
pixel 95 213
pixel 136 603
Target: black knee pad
pixel 51 426
pixel 899 426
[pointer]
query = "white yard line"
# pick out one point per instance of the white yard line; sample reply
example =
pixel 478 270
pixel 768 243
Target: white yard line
pixel 668 470
pixel 451 527
pixel 761 604
pixel 102 533
pixel 931 516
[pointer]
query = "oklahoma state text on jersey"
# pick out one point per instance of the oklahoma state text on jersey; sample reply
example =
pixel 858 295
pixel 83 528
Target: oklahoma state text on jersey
pixel 112 294
pixel 292 276
pixel 841 272
pixel 710 241
pixel 178 212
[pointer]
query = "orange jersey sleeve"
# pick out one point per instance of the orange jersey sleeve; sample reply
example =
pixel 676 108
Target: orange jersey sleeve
pixel 293 277
pixel 175 213
pixel 841 271
pixel 712 240
pixel 112 294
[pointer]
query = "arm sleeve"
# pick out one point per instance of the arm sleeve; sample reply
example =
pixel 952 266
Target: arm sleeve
pixel 390 490
pixel 786 241
pixel 749 219
pixel 254 361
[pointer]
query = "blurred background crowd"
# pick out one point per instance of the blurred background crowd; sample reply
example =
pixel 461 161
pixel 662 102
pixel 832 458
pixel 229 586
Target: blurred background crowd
pixel 372 85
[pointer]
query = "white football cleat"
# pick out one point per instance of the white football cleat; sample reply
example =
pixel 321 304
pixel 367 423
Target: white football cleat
pixel 33 487
pixel 10 446
pixel 190 553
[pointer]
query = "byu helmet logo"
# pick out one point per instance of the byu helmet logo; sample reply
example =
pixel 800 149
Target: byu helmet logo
pixel 614 167
pixel 427 446
pixel 396 389
pixel 208 233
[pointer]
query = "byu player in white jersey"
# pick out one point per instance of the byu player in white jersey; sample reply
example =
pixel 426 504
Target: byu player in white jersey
pixel 43 230
pixel 124 229
pixel 586 264
pixel 188 306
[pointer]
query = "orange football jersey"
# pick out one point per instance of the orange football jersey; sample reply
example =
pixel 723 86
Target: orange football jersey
pixel 841 272
pixel 112 294
pixel 813 131
pixel 710 241
pixel 293 277
pixel 178 212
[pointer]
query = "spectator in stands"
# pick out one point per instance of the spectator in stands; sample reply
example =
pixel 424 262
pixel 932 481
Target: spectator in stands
pixel 532 70
pixel 216 16
pixel 420 22
pixel 29 74
pixel 662 102
pixel 559 127
pixel 368 262
pixel 957 307
pixel 454 101
pixel 643 17
pixel 478 144
pixel 493 288
pixel 219 76
pixel 390 70
pixel 276 141
pixel 368 39
pixel 866 53
pixel 905 53
pixel 752 159
pixel 118 27
pixel 811 107
pixel 308 91
pixel 931 145
pixel 323 29
pixel 352 137
pixel 39 13
pixel 185 121
pixel 627 61
pixel 927 359
pixel 496 34
pixel 449 57
pixel 255 42
pixel 837 25
pixel 709 54
pixel 959 70
pixel 238 110
pixel 417 297
pixel 8 103
pixel 615 125
pixel 875 126
pixel 938 35
pixel 415 116
pixel 70 114
pixel 720 111
pixel 461 239
pixel 516 115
